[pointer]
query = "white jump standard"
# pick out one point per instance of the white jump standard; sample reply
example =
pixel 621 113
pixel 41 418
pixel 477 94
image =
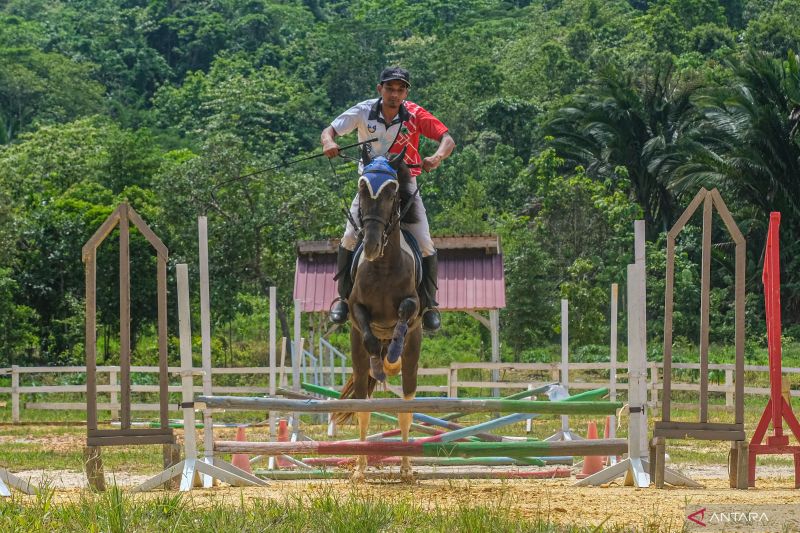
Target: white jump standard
pixel 191 467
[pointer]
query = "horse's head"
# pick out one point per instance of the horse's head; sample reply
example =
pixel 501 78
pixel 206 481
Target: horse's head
pixel 379 199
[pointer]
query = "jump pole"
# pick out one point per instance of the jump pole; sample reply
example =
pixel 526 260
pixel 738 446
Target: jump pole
pixel 191 468
pixel 432 405
pixel 427 419
pixel 430 449
pixel 469 474
pixel 441 461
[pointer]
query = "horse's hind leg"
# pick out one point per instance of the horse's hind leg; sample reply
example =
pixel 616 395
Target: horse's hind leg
pixel 405 312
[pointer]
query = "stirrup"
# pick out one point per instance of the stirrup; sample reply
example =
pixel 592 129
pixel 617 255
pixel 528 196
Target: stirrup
pixel 338 311
pixel 431 319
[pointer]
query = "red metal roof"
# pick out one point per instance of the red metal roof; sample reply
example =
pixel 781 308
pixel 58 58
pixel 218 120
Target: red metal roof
pixel 469 278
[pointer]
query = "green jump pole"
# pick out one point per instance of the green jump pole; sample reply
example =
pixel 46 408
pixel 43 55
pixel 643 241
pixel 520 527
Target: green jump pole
pixel 420 405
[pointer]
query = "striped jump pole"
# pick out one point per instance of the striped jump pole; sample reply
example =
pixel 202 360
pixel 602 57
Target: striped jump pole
pixel 375 460
pixel 511 419
pixel 444 419
pixel 433 405
pixel 331 393
pixel 431 449
pixel 426 419
pixel 327 474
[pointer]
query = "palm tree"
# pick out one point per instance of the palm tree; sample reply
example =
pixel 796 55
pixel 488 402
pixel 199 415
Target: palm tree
pixel 744 145
pixel 629 124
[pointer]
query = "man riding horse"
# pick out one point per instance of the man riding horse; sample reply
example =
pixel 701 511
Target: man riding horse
pixel 397 125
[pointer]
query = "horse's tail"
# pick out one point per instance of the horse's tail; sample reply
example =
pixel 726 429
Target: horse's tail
pixel 347 392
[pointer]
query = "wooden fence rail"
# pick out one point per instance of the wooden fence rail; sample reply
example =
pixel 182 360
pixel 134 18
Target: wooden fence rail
pixel 523 375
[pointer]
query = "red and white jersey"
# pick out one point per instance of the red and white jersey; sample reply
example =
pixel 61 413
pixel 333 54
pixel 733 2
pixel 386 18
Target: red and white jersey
pixel 403 132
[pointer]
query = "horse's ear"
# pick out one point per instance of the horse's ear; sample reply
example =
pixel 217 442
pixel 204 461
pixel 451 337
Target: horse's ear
pixel 395 161
pixel 365 158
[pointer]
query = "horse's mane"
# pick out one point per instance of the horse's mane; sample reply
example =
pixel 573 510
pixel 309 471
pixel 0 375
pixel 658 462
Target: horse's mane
pixel 406 192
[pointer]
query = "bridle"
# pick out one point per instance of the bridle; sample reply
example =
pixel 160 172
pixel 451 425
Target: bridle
pixel 388 225
pixel 394 214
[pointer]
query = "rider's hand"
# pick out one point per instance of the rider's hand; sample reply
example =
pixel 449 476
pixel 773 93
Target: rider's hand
pixel 331 150
pixel 430 163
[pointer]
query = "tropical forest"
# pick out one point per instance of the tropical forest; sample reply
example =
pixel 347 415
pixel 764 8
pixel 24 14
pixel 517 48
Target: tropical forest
pixel 571 118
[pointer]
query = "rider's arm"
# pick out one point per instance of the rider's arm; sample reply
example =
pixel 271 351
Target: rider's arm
pixel 446 146
pixel 329 146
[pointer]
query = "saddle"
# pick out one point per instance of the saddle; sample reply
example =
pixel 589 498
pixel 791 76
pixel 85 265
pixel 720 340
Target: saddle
pixel 408 244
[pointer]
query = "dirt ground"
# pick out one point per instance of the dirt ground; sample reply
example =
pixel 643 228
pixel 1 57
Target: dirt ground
pixel 553 499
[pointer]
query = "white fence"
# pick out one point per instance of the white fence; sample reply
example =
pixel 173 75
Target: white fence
pixel 523 374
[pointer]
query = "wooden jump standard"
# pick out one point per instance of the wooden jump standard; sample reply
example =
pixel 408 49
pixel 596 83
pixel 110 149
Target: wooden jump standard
pixel 430 449
pixel 703 429
pixel 430 405
pixel 123 216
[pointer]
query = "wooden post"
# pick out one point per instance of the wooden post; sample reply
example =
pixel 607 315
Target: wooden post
pixel 205 340
pixel 637 344
pixel 494 321
pixel 125 318
pixel 163 365
pixel 452 382
pixel 187 392
pixel 283 379
pixel 654 380
pixel 297 352
pixel 90 339
pixel 705 291
pixel 93 464
pixel 273 295
pixel 565 357
pixel 728 391
pixel 15 394
pixel 114 399
pixel 613 367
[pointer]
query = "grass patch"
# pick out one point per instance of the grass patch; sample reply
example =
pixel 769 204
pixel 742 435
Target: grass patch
pixel 321 510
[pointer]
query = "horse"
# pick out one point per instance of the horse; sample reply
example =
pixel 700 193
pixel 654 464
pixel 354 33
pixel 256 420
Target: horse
pixel 385 333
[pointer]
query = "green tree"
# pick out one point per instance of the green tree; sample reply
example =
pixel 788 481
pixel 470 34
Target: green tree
pixel 623 126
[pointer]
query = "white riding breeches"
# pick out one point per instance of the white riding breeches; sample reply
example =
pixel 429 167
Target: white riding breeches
pixel 420 230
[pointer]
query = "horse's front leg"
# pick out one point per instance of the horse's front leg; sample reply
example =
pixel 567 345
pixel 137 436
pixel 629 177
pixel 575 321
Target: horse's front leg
pixel 406 474
pixel 405 312
pixel 360 392
pixel 373 346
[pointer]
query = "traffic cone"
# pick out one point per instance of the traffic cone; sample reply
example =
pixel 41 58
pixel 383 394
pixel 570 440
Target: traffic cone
pixel 283 436
pixel 240 460
pixel 591 463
